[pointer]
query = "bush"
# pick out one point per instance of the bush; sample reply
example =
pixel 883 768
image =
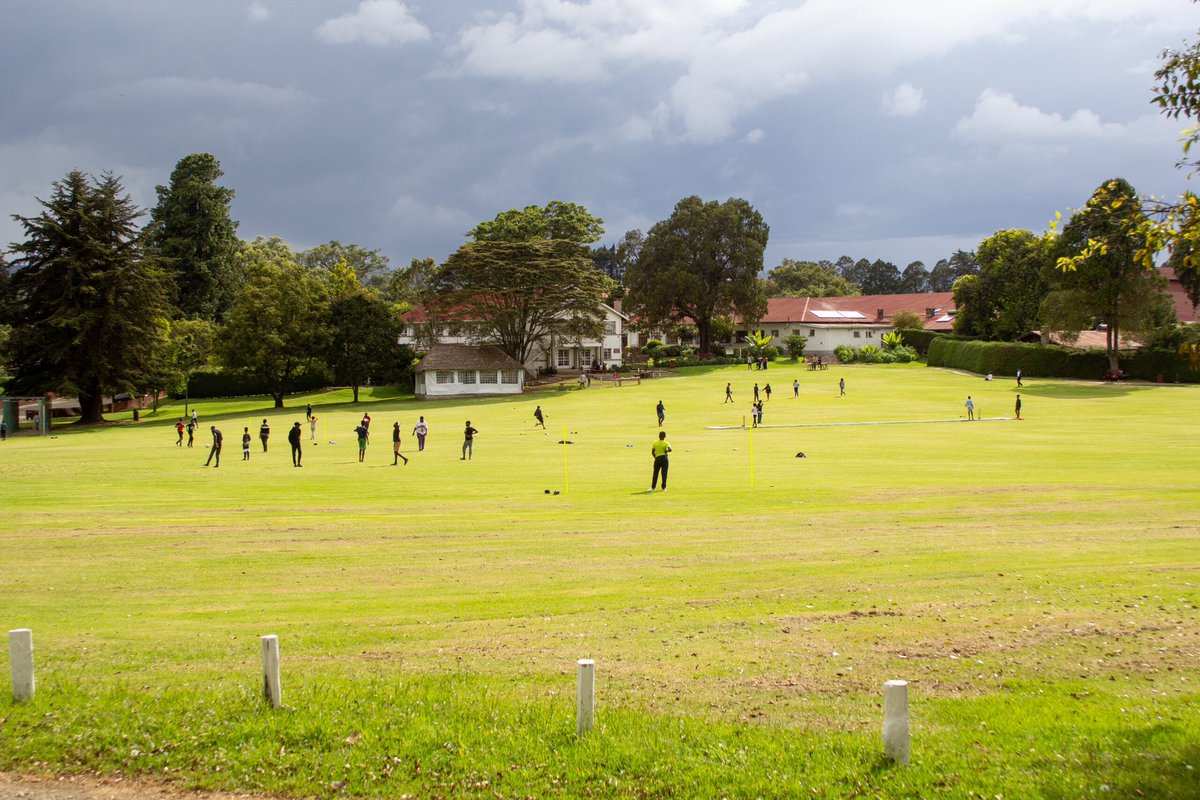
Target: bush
pixel 652 346
pixel 795 344
pixel 1054 361
pixel 918 338
pixel 845 353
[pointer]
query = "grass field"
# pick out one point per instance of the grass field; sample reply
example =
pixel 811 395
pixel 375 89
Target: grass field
pixel 1035 581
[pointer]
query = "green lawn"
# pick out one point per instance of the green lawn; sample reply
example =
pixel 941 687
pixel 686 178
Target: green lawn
pixel 1035 581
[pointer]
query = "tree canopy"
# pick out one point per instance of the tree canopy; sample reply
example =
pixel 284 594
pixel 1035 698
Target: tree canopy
pixel 947 271
pixel 196 239
pixel 702 261
pixel 518 292
pixel 1002 302
pixel 371 268
pixel 555 220
pixel 1102 279
pixel 277 326
pixel 807 279
pixel 90 302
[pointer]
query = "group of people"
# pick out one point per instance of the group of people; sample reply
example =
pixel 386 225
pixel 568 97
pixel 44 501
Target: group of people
pixel 758 363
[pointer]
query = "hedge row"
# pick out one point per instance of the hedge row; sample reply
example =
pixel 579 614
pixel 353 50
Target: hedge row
pixel 221 383
pixel 1052 361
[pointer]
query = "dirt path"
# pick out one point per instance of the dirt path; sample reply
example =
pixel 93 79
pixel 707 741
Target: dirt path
pixel 76 787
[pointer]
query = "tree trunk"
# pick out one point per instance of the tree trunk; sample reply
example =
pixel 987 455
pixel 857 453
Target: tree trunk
pixel 355 389
pixel 704 336
pixel 278 399
pixel 91 408
pixel 1114 348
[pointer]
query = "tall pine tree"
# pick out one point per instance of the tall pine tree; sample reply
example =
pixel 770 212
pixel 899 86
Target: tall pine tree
pixel 90 304
pixel 196 238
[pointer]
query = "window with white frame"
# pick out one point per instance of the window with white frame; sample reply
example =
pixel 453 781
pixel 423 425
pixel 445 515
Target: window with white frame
pixel 488 376
pixel 858 334
pixel 564 357
pixel 775 334
pixel 510 376
pixel 467 376
pixel 610 327
pixel 445 376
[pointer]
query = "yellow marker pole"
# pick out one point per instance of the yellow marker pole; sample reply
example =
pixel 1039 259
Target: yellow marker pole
pixel 751 458
pixel 566 473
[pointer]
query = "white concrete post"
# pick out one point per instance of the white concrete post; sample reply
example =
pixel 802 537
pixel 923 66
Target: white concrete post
pixel 895 721
pixel 20 663
pixel 585 696
pixel 270 664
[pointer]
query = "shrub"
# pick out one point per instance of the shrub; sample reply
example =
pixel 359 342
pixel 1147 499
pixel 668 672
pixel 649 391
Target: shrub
pixel 918 338
pixel 795 344
pixel 227 383
pixel 845 353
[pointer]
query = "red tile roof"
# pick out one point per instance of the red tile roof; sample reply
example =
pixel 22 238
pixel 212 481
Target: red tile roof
pixel 1184 310
pixel 862 310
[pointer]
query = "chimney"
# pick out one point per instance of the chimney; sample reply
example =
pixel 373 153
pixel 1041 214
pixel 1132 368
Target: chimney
pixel 879 313
pixel 929 312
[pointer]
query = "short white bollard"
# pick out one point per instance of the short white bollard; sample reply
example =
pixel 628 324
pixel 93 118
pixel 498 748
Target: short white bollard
pixel 895 721
pixel 585 696
pixel 270 663
pixel 20 663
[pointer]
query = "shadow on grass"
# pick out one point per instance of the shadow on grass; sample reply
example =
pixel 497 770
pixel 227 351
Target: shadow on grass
pixel 1146 767
pixel 1083 391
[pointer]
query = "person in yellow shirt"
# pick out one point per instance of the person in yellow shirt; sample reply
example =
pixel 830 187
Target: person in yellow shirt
pixel 661 462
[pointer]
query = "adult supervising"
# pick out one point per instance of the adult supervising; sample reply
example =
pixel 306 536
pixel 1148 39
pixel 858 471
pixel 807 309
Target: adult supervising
pixel 294 436
pixel 662 462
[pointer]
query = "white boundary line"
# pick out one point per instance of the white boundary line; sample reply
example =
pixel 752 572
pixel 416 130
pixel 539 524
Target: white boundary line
pixel 847 424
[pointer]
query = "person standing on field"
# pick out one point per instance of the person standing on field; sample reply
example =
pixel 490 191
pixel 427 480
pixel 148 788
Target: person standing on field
pixel 767 391
pixel 661 462
pixel 661 410
pixel 246 443
pixel 363 434
pixel 308 412
pixel 728 393
pixel 179 430
pixel 218 440
pixel 756 392
pixel 1019 384
pixel 396 454
pixel 264 433
pixel 468 448
pixel 1018 407
pixel 796 387
pixel 420 430
pixel 970 408
pixel 191 432
pixel 841 387
pixel 294 437
pixel 541 419
pixel 312 427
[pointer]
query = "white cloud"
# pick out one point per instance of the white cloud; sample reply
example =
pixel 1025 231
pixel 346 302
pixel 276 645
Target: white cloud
pixel 734 56
pixel 905 100
pixel 375 22
pixel 258 12
pixel 999 119
pixel 755 136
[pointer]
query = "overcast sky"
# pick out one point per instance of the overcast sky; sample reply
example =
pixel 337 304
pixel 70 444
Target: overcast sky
pixel 872 128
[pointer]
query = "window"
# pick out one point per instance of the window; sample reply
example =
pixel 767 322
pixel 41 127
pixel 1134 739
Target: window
pixel 510 376
pixel 445 376
pixel 858 334
pixel 488 376
pixel 564 357
pixel 795 331
pixel 610 327
pixel 870 334
pixel 467 376
pixel 812 331
pixel 775 333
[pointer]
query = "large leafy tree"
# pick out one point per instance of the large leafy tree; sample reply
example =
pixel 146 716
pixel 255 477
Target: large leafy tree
pixel 516 293
pixel 364 330
pixel 807 279
pixel 276 327
pixel 555 220
pixel 370 266
pixel 700 262
pixel 197 240
pixel 1102 279
pixel 947 271
pixel 1002 302
pixel 914 279
pixel 90 302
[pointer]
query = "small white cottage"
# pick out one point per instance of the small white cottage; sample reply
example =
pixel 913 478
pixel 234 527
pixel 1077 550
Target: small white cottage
pixel 461 370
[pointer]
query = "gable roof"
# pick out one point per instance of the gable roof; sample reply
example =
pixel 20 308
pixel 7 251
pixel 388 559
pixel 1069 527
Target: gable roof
pixel 877 309
pixel 465 356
